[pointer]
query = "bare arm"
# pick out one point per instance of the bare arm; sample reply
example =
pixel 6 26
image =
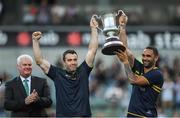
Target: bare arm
pixel 133 78
pixel 93 44
pixel 42 63
pixel 123 37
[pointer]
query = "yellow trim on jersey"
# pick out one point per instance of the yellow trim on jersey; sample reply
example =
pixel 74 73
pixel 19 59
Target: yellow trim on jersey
pixel 146 79
pixel 130 79
pixel 136 115
pixel 157 87
pixel 155 68
pixel 156 90
pixel 137 72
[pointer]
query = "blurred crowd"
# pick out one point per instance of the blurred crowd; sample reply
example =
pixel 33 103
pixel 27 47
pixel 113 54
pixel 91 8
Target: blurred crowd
pixel 55 12
pixel 110 90
pixel 4 76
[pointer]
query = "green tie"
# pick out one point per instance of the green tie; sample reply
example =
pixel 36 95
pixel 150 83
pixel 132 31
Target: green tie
pixel 25 83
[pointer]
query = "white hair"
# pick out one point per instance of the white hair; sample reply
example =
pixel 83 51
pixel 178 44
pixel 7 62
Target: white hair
pixel 22 57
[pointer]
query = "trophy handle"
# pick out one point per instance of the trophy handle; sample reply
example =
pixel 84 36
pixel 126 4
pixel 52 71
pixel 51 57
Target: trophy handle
pixel 118 14
pixel 98 19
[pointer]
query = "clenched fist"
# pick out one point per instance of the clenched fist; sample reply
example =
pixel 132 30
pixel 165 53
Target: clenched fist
pixel 36 35
pixel 123 20
pixel 122 55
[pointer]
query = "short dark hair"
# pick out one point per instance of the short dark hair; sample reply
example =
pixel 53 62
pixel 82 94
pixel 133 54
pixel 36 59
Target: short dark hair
pixel 67 52
pixel 154 49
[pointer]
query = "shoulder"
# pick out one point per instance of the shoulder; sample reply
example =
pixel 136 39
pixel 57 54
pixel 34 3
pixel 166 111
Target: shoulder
pixel 15 79
pixel 84 63
pixel 157 72
pixel 84 68
pixel 12 81
pixel 156 76
pixel 54 69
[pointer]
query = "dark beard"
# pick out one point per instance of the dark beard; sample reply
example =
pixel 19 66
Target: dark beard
pixel 150 65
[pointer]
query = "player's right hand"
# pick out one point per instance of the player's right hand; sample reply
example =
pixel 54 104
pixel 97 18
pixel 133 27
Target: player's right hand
pixel 36 35
pixel 122 55
pixel 123 19
pixel 93 22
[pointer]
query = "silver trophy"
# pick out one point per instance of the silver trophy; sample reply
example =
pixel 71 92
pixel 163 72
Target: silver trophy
pixel 109 22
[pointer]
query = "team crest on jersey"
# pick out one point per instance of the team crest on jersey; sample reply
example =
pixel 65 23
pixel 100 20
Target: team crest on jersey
pixel 149 112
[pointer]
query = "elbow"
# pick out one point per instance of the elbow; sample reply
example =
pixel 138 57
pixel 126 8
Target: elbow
pixel 93 49
pixel 5 106
pixel 49 103
pixel 38 61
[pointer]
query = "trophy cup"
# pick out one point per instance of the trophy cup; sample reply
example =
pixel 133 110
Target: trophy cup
pixel 109 22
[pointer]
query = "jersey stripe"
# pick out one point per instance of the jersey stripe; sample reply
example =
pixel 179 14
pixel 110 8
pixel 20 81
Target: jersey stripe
pixel 136 115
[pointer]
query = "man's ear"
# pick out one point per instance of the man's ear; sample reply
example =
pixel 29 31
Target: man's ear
pixel 18 67
pixel 156 58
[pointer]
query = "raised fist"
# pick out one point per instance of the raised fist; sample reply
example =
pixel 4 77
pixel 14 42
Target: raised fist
pixel 93 22
pixel 36 35
pixel 123 20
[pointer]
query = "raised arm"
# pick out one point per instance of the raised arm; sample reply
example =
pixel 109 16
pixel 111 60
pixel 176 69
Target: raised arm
pixel 123 36
pixel 93 44
pixel 40 61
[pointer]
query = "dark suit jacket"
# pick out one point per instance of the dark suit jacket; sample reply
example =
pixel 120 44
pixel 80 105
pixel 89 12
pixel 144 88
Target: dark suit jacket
pixel 15 98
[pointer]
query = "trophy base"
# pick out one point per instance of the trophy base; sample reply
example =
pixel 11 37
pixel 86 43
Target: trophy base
pixel 111 46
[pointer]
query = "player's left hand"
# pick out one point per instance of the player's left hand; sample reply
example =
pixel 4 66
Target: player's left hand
pixel 123 19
